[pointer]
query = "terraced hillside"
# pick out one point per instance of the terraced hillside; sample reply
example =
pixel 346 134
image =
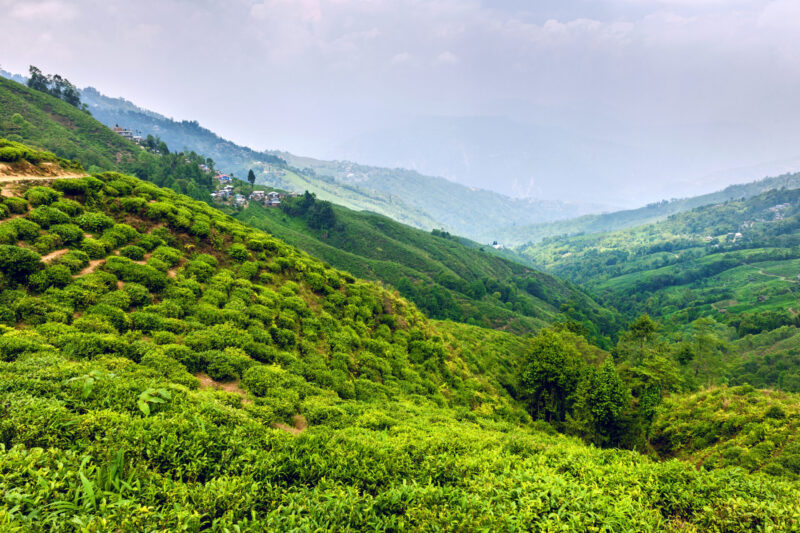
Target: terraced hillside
pixel 165 367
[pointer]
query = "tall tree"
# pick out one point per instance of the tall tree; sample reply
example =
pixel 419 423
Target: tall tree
pixel 550 375
pixel 251 177
pixel 603 400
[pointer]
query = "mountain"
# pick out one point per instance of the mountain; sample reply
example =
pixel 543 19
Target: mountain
pixel 617 220
pixel 406 196
pixel 446 277
pixel 441 275
pixel 166 367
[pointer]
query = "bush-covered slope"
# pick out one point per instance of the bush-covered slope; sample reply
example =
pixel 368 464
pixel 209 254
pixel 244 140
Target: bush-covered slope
pixel 737 262
pixel 18 160
pixel 165 367
pixel 740 426
pixel 45 122
pixel 444 276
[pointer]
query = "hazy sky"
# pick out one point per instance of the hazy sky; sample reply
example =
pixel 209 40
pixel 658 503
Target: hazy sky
pixel 694 88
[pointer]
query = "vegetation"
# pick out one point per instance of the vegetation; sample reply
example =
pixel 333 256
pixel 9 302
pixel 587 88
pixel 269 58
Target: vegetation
pixel 166 367
pixel 446 277
pixel 619 220
pixel 45 122
pixel 55 85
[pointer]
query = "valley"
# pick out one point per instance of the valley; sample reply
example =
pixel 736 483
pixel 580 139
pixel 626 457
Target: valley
pixel 171 361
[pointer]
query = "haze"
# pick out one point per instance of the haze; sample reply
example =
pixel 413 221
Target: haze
pixel 618 102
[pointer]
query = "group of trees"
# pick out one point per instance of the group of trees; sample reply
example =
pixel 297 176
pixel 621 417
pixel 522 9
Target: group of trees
pixel 612 399
pixel 318 214
pixel 55 85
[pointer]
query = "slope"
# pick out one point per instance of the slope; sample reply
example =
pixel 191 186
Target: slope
pixel 619 220
pixel 406 196
pixel 445 277
pixel 174 369
pixel 736 262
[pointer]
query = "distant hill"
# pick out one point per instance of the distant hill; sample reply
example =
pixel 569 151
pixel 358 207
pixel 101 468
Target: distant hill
pixel 406 196
pixel 515 236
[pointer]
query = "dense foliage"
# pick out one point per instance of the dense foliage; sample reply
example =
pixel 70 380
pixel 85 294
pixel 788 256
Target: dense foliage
pixel 447 278
pixel 165 367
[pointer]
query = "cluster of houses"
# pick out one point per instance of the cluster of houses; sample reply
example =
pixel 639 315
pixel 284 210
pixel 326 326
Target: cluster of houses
pixel 267 199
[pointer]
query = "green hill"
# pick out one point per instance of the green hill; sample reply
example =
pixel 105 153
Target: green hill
pixel 619 220
pixel 167 367
pixel 446 277
pixel 42 121
pixel 734 261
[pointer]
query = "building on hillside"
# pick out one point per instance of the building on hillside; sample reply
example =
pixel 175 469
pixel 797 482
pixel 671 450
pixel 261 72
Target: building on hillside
pixel 257 196
pixel 239 200
pixel 273 199
pixel 122 132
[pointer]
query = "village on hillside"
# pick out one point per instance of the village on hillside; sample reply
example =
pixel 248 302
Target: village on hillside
pixel 227 192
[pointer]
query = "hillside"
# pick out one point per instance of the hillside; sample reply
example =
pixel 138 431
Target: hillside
pixel 740 426
pixel 166 367
pixel 618 220
pixel 446 277
pixel 406 196
pixel 736 262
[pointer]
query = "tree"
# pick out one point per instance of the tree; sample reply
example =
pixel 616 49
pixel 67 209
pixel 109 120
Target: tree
pixel 551 373
pixel 603 401
pixel 251 177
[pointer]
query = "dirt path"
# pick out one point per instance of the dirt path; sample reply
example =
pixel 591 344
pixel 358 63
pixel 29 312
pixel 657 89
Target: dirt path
pixel 206 382
pixel 92 267
pixel 782 278
pixel 299 425
pixel 54 255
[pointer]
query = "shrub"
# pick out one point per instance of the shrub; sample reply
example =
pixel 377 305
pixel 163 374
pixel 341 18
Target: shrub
pixel 46 216
pixel 133 252
pixel 16 205
pixel 169 255
pixel 42 195
pixel 75 260
pixel 119 234
pixel 47 243
pixel 69 233
pixel 94 249
pixel 17 263
pixel 52 276
pixel 138 294
pixel 94 222
pixel 18 229
pixel 70 207
pixel 127 270
pixel 132 204
pixel 113 315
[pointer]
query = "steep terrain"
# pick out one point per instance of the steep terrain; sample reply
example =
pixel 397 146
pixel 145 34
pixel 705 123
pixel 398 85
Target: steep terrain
pixel 166 367
pixel 406 196
pixel 446 277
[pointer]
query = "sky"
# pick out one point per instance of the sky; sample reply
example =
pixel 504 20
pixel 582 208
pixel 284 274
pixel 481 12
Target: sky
pixel 620 102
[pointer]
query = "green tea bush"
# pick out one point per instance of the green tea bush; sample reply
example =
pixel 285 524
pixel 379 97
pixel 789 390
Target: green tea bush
pixel 17 263
pixel 68 206
pixel 42 195
pixel 69 233
pixel 94 248
pixel 46 216
pixel 16 205
pixel 94 222
pixel 51 276
pixel 132 252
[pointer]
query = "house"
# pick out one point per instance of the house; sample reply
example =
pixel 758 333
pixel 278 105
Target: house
pixel 257 196
pixel 224 178
pixel 239 200
pixel 273 199
pixel 122 132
